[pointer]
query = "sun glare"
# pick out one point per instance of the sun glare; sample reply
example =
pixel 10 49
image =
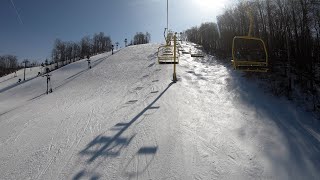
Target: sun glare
pixel 211 5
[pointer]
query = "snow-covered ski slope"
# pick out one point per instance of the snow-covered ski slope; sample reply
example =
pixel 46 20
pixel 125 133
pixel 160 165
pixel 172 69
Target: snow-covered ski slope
pixel 125 119
pixel 13 78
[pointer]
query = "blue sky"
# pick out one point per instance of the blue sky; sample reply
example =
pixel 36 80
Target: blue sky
pixel 42 21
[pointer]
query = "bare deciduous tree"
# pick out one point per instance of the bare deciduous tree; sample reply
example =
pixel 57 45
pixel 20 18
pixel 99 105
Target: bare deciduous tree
pixel 141 38
pixel 291 30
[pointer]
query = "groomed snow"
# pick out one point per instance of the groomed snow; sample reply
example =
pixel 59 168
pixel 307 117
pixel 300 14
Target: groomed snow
pixel 125 119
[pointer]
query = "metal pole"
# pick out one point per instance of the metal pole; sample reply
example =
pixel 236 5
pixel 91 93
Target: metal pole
pixel 47 83
pixel 24 74
pixel 167 17
pixel 249 12
pixel 174 57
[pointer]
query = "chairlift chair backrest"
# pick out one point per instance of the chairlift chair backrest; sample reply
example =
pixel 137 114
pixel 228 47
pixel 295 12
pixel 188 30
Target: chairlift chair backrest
pixel 249 53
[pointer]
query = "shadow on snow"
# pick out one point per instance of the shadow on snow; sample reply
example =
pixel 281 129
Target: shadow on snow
pixel 107 144
pixel 111 146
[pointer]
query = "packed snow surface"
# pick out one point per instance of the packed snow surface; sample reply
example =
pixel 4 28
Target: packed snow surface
pixel 125 119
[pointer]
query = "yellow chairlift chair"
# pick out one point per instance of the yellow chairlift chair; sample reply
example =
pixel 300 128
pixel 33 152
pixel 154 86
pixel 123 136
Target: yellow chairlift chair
pixel 249 53
pixel 198 52
pixel 166 52
pixel 166 55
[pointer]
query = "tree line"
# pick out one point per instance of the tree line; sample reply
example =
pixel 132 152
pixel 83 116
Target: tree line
pixel 67 51
pixel 140 38
pixel 10 64
pixel 291 31
pixel 64 52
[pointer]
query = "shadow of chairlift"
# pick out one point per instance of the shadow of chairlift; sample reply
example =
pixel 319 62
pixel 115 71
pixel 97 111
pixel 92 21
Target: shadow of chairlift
pixel 200 55
pixel 111 146
pixel 131 102
pixel 148 153
pixel 154 107
pixel 148 150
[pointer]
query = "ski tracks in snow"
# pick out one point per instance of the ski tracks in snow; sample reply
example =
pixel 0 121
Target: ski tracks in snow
pixel 124 119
